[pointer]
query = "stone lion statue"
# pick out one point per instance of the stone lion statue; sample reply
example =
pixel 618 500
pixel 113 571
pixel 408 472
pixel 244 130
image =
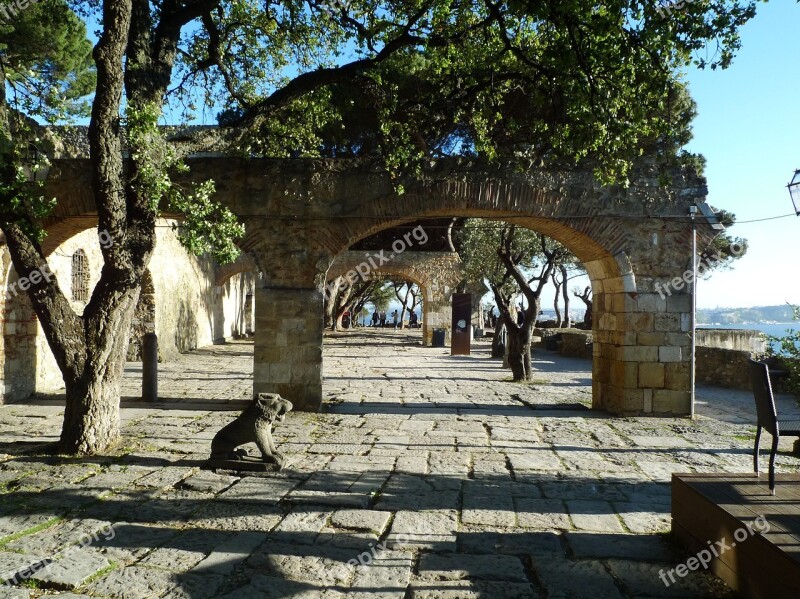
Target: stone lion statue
pixel 254 424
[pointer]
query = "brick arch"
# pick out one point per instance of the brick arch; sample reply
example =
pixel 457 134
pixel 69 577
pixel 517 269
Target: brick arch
pixel 63 229
pixel 581 228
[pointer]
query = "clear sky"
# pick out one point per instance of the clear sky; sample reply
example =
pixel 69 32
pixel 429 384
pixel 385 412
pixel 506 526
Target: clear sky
pixel 748 128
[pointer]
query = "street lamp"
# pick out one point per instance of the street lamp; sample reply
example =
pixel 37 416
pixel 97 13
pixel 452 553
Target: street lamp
pixel 794 191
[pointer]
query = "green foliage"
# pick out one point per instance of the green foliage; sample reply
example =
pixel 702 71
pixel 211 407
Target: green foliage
pixel 45 72
pixel 571 82
pixel 725 248
pixel 789 353
pixel 21 166
pixel 47 61
pixel 151 153
pixel 208 226
pixel 480 241
pixel 381 296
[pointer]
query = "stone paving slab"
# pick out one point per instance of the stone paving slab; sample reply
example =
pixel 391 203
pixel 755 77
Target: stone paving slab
pixel 424 476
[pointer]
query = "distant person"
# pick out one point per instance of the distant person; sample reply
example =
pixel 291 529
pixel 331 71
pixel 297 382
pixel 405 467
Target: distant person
pixel 375 318
pixel 412 320
pixel 395 316
pixel 383 318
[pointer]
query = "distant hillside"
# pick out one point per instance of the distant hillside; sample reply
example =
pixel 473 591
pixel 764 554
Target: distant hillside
pixel 755 315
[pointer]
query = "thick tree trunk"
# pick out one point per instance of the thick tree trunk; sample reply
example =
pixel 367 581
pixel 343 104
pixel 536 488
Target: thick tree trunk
pixel 91 414
pixel 519 351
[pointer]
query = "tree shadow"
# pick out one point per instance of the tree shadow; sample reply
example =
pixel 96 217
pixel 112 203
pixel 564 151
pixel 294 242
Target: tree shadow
pixel 195 534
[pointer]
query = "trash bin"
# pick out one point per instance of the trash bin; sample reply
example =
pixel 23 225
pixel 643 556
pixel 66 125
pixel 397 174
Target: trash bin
pixel 438 338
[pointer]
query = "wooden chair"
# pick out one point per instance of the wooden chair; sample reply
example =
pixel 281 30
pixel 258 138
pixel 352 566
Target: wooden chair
pixel 768 417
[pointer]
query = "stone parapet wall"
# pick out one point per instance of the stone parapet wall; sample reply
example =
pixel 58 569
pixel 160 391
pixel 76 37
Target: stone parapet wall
pixel 738 339
pixel 576 344
pixel 723 367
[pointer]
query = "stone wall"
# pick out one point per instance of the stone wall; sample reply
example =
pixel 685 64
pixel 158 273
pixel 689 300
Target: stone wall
pixel 723 367
pixel 17 337
pixel 576 344
pixel 192 310
pixel 184 301
pixel 739 339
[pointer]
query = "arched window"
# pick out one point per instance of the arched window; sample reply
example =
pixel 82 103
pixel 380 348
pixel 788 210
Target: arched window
pixel 80 277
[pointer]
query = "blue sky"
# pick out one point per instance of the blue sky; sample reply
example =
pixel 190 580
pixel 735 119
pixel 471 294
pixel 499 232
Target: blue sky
pixel 748 128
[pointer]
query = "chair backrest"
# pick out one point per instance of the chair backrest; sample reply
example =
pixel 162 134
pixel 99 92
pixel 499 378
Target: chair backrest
pixel 762 392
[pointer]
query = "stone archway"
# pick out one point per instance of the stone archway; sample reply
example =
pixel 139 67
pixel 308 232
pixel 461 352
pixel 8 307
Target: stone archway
pixel 300 214
pixel 436 274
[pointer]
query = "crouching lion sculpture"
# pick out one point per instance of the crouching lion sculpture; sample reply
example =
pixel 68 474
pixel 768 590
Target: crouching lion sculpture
pixel 254 424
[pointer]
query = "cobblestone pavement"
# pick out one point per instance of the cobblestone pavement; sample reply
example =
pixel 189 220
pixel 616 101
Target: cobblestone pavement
pixel 427 476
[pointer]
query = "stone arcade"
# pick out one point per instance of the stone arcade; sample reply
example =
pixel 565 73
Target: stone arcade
pixel 301 217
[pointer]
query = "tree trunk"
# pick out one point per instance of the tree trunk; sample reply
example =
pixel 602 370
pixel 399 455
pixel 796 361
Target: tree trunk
pixel 498 349
pixel 91 414
pixel 519 352
pixel 556 308
pixel 565 293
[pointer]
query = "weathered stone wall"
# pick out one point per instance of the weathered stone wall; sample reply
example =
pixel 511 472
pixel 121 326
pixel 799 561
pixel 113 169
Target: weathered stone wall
pixel 723 367
pixel 739 339
pixel 48 376
pixel 722 356
pixel 576 344
pixel 17 337
pixel 192 308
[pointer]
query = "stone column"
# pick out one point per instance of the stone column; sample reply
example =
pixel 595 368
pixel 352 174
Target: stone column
pixel 288 345
pixel 289 310
pixel 642 355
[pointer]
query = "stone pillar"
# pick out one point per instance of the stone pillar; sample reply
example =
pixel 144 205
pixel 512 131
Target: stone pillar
pixel 288 345
pixel 642 355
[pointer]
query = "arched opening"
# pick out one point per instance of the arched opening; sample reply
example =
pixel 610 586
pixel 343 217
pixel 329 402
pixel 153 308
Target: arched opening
pixel 436 291
pixel 607 274
pixel 18 336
